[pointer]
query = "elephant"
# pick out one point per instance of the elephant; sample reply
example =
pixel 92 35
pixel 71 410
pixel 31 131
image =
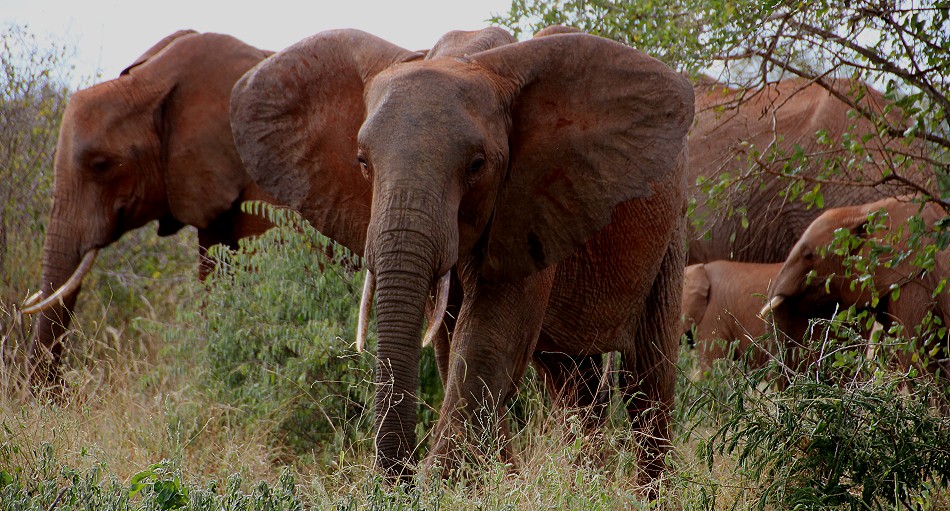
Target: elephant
pixel 548 175
pixel 573 382
pixel 721 304
pixel 721 308
pixel 153 144
pixel 787 114
pixel 814 275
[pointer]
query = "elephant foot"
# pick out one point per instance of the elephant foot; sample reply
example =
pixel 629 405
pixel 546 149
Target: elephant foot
pixel 467 445
pixel 578 384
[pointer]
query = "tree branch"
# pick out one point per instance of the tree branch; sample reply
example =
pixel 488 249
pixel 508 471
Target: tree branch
pixel 884 64
pixel 895 132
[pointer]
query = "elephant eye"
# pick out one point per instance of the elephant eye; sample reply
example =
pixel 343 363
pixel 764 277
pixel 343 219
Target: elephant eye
pixel 477 164
pixel 100 164
pixel 364 165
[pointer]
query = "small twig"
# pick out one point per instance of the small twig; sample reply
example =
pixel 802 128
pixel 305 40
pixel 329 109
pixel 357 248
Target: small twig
pixel 894 132
pixel 894 177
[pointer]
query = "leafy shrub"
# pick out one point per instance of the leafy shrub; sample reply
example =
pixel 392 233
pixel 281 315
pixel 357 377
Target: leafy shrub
pixel 276 322
pixel 845 433
pixel 33 94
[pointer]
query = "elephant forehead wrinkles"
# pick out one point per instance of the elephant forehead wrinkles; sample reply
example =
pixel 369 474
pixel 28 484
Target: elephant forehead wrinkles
pixel 105 104
pixel 446 88
pixel 104 120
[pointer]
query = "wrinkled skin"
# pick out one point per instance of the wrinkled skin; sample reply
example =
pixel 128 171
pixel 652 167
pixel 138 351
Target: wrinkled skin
pixel 153 144
pixel 573 382
pixel 561 213
pixel 798 110
pixel 803 294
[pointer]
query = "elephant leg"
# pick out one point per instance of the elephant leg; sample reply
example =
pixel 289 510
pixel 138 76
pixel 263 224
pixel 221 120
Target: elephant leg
pixel 648 378
pixel 216 234
pixel 496 332
pixel 575 382
pixel 230 227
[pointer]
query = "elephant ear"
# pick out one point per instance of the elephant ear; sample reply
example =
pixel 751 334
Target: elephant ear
pixel 852 218
pixel 203 172
pixel 695 295
pixel 157 47
pixel 295 119
pixel 594 123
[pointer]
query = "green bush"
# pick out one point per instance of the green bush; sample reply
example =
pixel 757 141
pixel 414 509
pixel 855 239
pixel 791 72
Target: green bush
pixel 276 325
pixel 33 95
pixel 845 432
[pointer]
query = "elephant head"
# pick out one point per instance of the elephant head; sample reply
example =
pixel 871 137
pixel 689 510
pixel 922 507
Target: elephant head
pixel 812 267
pixel 500 163
pixel 696 287
pixel 459 43
pixel 816 276
pixel 153 144
pixel 721 304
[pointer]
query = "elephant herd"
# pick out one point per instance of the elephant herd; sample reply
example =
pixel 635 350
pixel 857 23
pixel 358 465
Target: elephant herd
pixel 525 200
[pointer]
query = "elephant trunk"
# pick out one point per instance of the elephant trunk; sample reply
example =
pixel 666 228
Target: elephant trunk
pixel 402 287
pixel 406 251
pixel 61 259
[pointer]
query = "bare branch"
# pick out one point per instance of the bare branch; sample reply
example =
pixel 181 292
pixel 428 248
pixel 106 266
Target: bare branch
pixel 893 131
pixel 885 65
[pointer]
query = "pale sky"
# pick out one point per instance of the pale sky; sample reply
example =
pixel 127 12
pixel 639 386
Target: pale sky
pixel 109 34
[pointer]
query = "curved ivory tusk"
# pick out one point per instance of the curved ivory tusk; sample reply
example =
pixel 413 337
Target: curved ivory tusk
pixel 71 285
pixel 773 303
pixel 441 302
pixel 366 303
pixel 33 299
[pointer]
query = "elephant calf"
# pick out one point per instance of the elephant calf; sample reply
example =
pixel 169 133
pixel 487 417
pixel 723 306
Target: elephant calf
pixel 721 304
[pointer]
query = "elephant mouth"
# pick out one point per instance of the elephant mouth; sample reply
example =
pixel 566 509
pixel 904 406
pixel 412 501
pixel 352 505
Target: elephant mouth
pixel 434 320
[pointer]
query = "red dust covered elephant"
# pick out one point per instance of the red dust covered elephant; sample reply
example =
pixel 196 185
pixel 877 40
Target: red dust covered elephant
pixel 153 144
pixel 549 174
